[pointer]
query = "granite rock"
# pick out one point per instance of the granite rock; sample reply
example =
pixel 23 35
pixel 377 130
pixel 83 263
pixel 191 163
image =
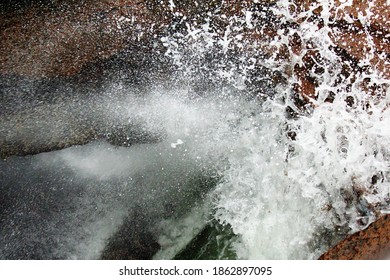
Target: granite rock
pixel 370 243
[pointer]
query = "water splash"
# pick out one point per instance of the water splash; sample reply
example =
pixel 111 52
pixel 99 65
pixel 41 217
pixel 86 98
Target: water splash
pixel 294 186
pixel 290 175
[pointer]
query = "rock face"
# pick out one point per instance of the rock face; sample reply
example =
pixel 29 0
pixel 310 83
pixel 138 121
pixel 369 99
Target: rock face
pixel 51 127
pixel 368 244
pixel 55 57
pixel 360 36
pixel 59 39
pixel 132 241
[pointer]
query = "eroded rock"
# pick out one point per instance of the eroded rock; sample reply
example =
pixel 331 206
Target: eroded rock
pixel 370 243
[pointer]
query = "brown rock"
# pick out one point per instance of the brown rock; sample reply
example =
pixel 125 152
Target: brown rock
pixel 378 11
pixel 60 40
pixel 368 244
pixel 360 33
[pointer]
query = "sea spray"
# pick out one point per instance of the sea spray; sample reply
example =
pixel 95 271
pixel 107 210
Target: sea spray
pixel 302 174
pixel 289 175
pixel 288 191
pixel 66 204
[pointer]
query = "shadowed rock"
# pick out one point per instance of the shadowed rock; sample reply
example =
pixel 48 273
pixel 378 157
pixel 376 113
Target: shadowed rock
pixel 56 126
pixel 132 241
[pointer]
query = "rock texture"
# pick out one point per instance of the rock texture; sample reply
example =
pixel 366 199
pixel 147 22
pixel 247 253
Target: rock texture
pixel 360 31
pixel 51 127
pixel 59 39
pixel 368 244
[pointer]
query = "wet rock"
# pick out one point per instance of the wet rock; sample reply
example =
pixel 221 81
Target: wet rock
pixel 132 241
pixel 130 134
pixel 360 40
pixel 61 38
pixel 49 47
pixel 370 243
pixel 42 130
pixel 353 10
pixel 63 123
pixel 359 31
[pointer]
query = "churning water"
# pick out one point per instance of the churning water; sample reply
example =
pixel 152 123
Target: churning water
pixel 232 175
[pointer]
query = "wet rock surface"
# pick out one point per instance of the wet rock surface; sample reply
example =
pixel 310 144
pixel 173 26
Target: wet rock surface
pixel 51 127
pixel 61 37
pixel 368 244
pixel 132 241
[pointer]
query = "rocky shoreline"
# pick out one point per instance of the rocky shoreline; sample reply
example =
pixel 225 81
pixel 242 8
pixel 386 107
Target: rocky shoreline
pixel 83 42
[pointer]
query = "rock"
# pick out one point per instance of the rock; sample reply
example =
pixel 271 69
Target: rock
pixel 43 129
pixel 76 33
pixel 61 38
pixel 132 241
pixel 52 76
pixel 370 243
pixel 67 44
pixel 53 127
pixel 353 10
pixel 359 31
